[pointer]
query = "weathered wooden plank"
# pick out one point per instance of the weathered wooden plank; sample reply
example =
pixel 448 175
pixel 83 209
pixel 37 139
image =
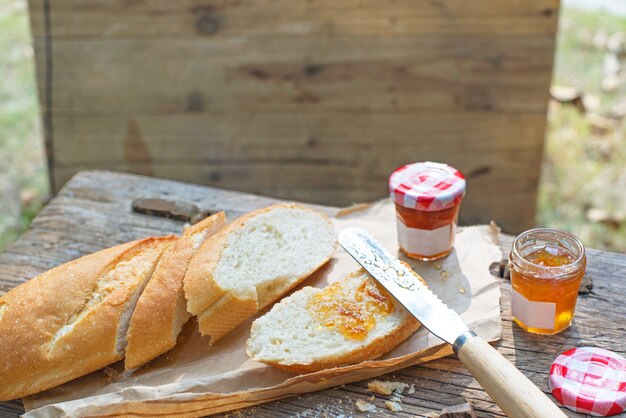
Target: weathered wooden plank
pixel 94 211
pixel 332 185
pixel 347 195
pixel 329 159
pixel 249 87
pixel 345 138
pixel 148 76
pixel 195 18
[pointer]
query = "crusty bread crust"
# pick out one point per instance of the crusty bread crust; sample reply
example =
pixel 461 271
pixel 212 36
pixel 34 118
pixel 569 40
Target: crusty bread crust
pixel 224 315
pixel 371 351
pixel 40 307
pixel 161 311
pixel 202 290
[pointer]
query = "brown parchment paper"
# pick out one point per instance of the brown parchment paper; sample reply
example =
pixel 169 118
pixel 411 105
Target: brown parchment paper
pixel 195 379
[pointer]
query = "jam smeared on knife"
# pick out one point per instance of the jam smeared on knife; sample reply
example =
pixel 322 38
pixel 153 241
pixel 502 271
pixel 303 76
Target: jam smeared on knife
pixel 351 311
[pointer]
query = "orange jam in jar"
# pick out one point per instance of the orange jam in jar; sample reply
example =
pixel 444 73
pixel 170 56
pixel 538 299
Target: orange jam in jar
pixel 547 267
pixel 427 198
pixel 351 309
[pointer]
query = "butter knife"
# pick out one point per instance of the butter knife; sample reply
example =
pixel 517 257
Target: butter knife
pixel 517 396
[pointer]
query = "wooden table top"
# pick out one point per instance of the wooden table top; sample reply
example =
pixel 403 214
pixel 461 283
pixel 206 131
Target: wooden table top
pixel 93 211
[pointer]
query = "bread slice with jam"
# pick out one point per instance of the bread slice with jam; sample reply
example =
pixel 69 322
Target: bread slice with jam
pixel 349 321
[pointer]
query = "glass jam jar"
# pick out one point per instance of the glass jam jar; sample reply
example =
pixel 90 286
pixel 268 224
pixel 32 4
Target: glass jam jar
pixel 427 196
pixel 547 266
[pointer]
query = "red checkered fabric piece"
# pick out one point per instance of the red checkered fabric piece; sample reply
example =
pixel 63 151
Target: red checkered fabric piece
pixel 427 186
pixel 590 380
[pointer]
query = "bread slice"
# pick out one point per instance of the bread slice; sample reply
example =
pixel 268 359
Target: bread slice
pixel 254 261
pixel 348 322
pixel 72 320
pixel 162 310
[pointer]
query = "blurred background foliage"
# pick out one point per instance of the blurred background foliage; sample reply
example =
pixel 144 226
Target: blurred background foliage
pixel 23 178
pixel 583 183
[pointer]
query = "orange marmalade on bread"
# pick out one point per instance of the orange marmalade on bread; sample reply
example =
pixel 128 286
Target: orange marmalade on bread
pixel 351 311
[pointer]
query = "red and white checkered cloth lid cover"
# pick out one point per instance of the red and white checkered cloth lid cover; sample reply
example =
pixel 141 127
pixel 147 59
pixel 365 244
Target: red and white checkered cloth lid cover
pixel 590 380
pixel 427 186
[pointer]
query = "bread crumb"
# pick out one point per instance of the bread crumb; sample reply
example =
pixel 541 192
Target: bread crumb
pixel 371 398
pixel 363 406
pixel 110 372
pixel 411 390
pixel 393 406
pixel 386 388
pixel 437 266
pixel 444 275
pixel 462 290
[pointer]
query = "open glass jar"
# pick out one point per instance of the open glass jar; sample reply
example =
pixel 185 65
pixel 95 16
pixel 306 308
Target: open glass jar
pixel 427 196
pixel 547 267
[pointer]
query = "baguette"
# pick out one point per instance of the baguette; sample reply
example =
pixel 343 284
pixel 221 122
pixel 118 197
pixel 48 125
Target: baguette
pixel 254 261
pixel 161 311
pixel 349 321
pixel 72 320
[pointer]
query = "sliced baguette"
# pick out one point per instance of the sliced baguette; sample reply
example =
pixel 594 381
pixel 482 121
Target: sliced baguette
pixel 162 310
pixel 73 319
pixel 314 329
pixel 254 261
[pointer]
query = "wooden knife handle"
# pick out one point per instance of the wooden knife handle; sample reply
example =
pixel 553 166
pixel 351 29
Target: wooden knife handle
pixel 517 396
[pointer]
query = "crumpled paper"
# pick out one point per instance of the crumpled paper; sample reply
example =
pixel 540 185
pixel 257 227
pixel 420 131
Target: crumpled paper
pixel 196 379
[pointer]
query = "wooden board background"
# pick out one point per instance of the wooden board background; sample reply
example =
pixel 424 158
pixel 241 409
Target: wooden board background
pixel 314 100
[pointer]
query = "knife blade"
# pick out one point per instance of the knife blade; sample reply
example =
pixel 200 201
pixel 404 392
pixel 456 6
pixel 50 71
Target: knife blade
pixel 440 320
pixel 514 393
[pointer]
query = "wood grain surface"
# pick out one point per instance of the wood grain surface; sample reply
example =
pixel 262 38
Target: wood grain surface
pixel 94 211
pixel 341 93
pixel 121 19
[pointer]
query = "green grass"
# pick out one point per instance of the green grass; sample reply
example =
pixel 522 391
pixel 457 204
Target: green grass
pixel 583 168
pixel 23 181
pixel 578 62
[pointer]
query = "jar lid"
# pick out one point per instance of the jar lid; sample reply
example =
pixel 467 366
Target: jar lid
pixel 590 380
pixel 427 186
